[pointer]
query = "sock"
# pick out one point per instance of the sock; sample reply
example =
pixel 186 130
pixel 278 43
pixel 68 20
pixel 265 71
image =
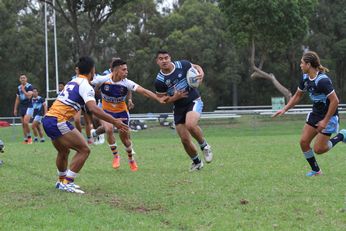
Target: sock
pixel 28 136
pixel 61 175
pixel 25 139
pixel 69 178
pixel 129 152
pixel 310 157
pixel 196 159
pixel 94 134
pixel 202 145
pixel 114 150
pixel 336 139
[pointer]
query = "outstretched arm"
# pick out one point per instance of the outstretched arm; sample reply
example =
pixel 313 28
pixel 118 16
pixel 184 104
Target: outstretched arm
pixel 150 94
pixel 293 101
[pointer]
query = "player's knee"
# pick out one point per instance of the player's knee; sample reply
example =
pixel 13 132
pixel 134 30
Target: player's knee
pixel 85 150
pixel 304 144
pixel 319 150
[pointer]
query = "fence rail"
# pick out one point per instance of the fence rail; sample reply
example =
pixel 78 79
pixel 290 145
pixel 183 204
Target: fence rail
pixel 222 112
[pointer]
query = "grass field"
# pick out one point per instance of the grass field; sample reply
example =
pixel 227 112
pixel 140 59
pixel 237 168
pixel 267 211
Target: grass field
pixel 256 182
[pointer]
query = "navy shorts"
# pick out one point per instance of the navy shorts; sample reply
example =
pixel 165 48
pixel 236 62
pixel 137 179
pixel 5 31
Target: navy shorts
pixel 24 110
pixel 332 127
pixel 180 112
pixel 55 129
pixel 118 115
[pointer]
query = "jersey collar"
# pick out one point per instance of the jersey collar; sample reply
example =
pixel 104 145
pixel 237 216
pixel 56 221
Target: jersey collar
pixel 82 76
pixel 169 72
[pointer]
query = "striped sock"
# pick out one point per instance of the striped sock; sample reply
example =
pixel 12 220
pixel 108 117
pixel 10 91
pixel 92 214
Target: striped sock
pixel 61 175
pixel 114 150
pixel 69 178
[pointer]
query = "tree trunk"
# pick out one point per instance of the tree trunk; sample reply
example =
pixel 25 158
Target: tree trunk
pixel 258 73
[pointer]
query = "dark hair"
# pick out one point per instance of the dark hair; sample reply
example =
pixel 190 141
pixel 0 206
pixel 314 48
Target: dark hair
pixel 160 52
pixel 61 82
pixel 35 88
pixel 118 62
pixel 85 65
pixel 312 58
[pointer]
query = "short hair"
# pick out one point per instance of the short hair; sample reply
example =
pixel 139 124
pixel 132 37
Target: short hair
pixel 118 62
pixel 61 82
pixel 161 52
pixel 85 65
pixel 35 88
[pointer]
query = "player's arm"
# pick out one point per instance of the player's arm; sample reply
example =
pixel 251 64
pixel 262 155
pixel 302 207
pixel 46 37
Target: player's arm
pixel 178 94
pixel 291 103
pixel 118 123
pixel 28 94
pixel 130 103
pixel 199 77
pixel 16 103
pixel 149 94
pixel 45 109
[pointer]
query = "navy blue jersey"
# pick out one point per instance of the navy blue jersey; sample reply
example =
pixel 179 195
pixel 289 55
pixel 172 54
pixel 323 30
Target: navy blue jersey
pixel 319 89
pixel 176 80
pixel 24 101
pixel 37 104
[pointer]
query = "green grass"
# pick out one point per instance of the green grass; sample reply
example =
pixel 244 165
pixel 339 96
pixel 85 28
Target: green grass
pixel 256 181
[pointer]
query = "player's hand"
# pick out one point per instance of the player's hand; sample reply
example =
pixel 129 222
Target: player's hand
pixel 22 87
pixel 130 104
pixel 163 99
pixel 118 123
pixel 199 78
pixel 279 113
pixel 15 112
pixel 178 94
pixel 321 125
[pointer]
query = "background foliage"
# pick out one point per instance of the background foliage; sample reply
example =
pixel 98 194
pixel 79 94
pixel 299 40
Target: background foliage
pixel 214 34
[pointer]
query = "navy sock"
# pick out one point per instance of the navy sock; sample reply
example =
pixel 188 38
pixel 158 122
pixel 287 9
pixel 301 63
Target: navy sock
pixel 196 159
pixel 336 139
pixel 310 157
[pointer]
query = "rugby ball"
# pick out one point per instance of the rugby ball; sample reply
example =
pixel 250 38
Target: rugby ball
pixel 191 77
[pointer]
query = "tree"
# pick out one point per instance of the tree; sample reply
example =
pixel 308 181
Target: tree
pixel 86 18
pixel 268 27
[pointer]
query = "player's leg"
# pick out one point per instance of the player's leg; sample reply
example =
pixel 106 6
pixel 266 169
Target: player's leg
pixel 39 130
pixel 34 127
pixel 308 133
pixel 126 140
pixel 109 130
pixel 191 123
pixel 189 147
pixel 26 121
pixel 65 137
pixel 71 140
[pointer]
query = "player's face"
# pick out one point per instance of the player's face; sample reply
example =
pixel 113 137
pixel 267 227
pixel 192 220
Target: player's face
pixel 34 93
pixel 76 70
pixel 304 66
pixel 23 79
pixel 164 61
pixel 61 87
pixel 121 71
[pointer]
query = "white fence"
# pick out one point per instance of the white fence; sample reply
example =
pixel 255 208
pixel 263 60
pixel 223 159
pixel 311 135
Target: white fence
pixel 222 112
